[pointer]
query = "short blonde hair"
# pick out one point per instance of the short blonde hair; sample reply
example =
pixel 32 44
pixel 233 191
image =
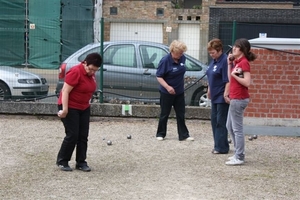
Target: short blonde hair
pixel 177 46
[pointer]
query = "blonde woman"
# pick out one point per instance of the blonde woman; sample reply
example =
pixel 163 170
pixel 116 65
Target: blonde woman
pixel 170 75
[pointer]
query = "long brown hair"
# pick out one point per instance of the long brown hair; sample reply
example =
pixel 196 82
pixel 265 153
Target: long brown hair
pixel 245 47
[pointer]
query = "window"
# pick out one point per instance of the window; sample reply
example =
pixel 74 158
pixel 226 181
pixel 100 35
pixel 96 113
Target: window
pixel 191 65
pixel 83 56
pixel 192 4
pixel 113 10
pixel 120 55
pixel 151 56
pixel 160 12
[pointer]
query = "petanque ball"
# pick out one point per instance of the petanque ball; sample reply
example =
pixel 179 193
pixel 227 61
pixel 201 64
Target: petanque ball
pixel 128 136
pixel 229 140
pixel 254 136
pixel 109 142
pixel 250 138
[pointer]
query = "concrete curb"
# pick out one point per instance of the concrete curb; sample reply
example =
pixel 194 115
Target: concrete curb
pixel 101 110
pixel 138 111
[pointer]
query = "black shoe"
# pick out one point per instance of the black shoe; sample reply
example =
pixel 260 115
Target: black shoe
pixel 66 168
pixel 84 168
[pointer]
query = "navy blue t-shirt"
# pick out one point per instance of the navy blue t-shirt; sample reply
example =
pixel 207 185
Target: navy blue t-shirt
pixel 172 73
pixel 217 78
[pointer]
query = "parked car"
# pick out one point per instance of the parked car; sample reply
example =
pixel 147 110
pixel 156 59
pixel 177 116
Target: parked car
pixel 129 72
pixel 16 83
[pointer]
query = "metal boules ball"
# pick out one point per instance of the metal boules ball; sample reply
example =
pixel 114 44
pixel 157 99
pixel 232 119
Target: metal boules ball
pixel 109 142
pixel 254 136
pixel 128 136
pixel 250 138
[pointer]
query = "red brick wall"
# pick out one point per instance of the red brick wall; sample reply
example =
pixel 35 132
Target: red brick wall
pixel 275 85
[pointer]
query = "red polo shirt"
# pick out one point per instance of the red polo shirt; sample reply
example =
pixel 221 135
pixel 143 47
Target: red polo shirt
pixel 84 87
pixel 237 90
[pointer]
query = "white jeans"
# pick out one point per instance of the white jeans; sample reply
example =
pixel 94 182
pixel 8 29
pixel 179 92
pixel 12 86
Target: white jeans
pixel 235 125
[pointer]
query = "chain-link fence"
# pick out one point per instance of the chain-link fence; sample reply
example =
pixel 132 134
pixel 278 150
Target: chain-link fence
pixel 38 39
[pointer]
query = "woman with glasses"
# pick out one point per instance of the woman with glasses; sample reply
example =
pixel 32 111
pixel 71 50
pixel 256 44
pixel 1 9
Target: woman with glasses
pixel 74 111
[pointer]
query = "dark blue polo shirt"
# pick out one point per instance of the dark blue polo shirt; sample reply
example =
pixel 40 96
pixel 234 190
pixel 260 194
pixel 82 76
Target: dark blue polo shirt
pixel 172 73
pixel 217 78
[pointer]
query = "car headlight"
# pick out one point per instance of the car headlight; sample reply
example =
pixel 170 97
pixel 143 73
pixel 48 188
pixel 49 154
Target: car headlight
pixel 29 81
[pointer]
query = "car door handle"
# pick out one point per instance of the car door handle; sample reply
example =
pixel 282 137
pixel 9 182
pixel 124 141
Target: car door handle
pixel 147 73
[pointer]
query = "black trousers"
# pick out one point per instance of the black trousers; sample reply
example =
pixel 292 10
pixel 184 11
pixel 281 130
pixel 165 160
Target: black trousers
pixel 76 126
pixel 166 103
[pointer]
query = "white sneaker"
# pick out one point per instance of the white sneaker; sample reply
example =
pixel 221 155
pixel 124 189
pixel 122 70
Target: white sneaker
pixel 231 157
pixel 189 139
pixel 160 138
pixel 235 161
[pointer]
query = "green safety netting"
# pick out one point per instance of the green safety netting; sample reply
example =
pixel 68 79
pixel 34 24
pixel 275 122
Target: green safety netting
pixel 54 30
pixel 12 32
pixel 44 33
pixel 77 25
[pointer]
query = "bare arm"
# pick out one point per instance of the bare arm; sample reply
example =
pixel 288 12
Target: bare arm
pixel 208 93
pixel 65 99
pixel 229 67
pixel 226 92
pixel 163 83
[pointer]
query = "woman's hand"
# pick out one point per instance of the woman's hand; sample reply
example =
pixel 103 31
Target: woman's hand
pixel 227 99
pixel 170 90
pixel 230 59
pixel 62 114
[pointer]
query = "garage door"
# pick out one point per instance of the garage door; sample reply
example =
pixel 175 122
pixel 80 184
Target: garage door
pixel 136 31
pixel 190 35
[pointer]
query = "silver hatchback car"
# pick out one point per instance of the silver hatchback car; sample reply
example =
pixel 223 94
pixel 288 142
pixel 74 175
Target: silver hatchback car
pixel 19 84
pixel 129 72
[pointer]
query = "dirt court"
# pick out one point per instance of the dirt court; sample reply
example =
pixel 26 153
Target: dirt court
pixel 142 167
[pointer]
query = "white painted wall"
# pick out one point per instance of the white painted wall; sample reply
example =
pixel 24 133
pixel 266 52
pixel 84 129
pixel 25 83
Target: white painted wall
pixel 136 31
pixel 97 20
pixel 190 35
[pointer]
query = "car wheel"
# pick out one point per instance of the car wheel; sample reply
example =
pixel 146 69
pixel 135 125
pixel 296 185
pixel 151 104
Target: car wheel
pixel 4 91
pixel 201 99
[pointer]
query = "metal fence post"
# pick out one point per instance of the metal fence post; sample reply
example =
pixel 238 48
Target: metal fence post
pixel 233 31
pixel 101 52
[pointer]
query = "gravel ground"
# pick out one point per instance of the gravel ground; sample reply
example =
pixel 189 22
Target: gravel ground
pixel 142 167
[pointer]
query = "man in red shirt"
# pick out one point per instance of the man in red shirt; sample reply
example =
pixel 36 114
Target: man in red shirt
pixel 74 111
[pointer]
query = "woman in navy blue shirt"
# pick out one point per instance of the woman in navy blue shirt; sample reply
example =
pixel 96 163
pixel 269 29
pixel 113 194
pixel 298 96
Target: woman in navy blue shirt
pixel 170 75
pixel 218 91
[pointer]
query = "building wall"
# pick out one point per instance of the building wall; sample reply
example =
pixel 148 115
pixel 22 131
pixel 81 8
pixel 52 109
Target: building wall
pixel 145 12
pixel 207 16
pixel 275 85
